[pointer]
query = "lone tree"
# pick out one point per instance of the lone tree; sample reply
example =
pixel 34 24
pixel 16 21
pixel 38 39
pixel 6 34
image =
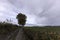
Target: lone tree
pixel 21 19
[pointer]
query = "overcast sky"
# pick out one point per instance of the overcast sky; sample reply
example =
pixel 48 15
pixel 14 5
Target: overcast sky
pixel 40 12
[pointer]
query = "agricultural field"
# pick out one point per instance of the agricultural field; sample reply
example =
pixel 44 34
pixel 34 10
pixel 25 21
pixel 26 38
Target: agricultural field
pixel 32 33
pixel 43 33
pixel 56 28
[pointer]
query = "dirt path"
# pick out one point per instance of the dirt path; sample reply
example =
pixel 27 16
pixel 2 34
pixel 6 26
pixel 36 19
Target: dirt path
pixel 16 35
pixel 20 35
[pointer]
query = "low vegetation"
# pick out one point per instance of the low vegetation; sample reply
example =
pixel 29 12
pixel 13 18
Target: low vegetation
pixel 33 33
pixel 6 28
pixel 42 33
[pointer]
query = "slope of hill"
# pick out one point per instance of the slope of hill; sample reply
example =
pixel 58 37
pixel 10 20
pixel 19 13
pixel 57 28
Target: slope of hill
pixel 30 33
pixel 7 28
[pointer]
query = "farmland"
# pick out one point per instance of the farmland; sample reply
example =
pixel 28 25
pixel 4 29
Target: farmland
pixel 56 28
pixel 43 33
pixel 31 33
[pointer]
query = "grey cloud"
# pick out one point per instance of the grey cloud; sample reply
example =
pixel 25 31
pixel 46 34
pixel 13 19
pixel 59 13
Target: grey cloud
pixel 7 10
pixel 42 12
pixel 46 12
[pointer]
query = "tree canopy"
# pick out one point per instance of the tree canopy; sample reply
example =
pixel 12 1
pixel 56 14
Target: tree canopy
pixel 21 19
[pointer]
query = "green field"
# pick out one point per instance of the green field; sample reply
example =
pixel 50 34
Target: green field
pixel 34 32
pixel 44 28
pixel 43 33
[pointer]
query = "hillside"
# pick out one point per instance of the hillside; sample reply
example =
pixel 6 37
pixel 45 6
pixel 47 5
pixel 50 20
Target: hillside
pixel 6 28
pixel 30 33
pixel 43 33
